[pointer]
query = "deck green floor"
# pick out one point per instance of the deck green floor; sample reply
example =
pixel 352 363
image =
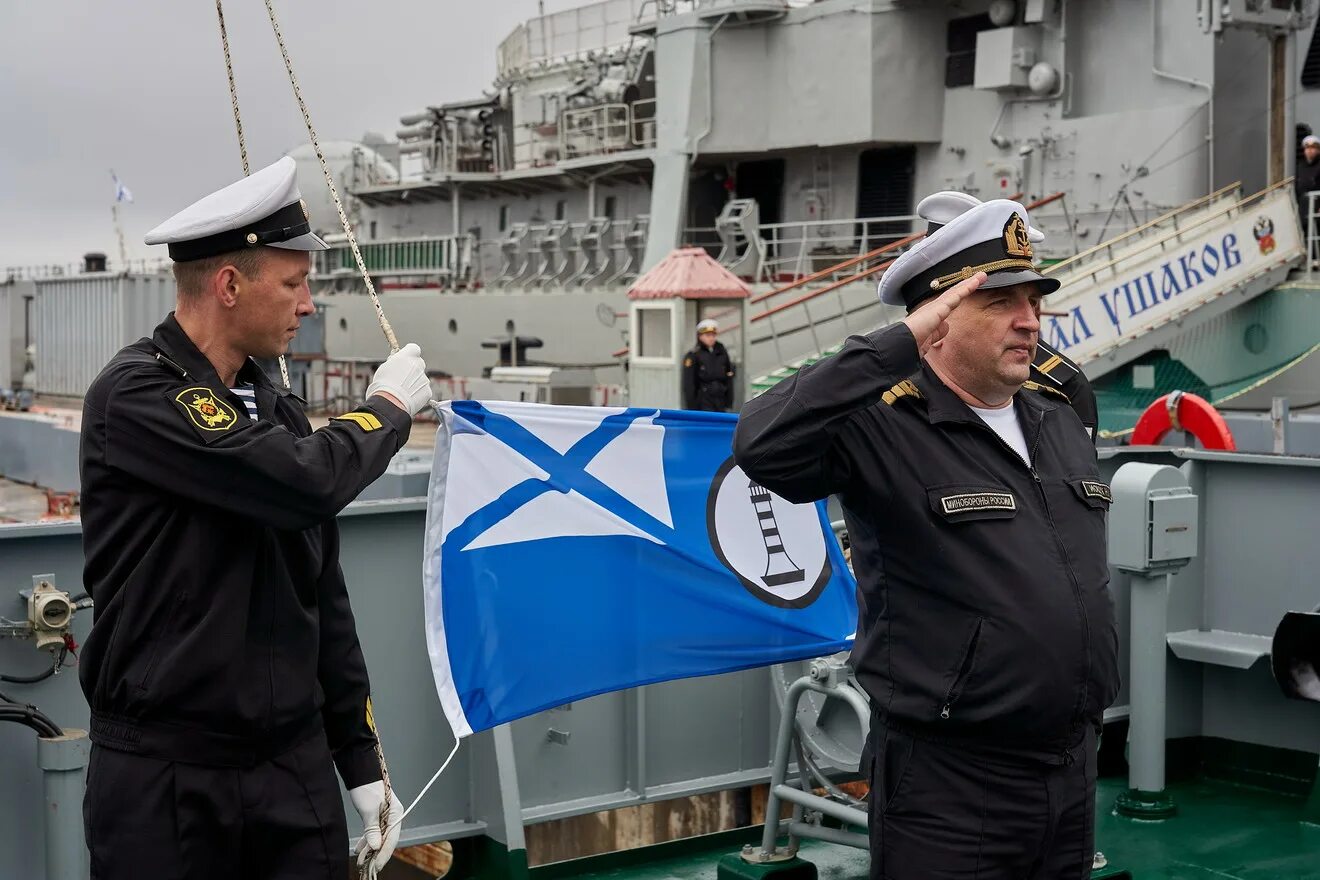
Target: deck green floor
pixel 1222 832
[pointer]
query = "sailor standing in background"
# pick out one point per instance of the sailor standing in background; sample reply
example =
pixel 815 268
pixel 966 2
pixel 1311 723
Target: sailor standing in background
pixel 986 637
pixel 708 372
pixel 223 668
pixel 1307 181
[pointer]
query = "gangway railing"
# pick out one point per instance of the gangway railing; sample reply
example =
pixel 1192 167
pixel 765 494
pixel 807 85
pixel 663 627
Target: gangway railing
pixel 1178 271
pixel 1109 248
pixel 851 304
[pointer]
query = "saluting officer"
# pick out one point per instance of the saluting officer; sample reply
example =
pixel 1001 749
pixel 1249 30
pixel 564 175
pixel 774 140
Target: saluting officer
pixel 986 640
pixel 223 668
pixel 708 372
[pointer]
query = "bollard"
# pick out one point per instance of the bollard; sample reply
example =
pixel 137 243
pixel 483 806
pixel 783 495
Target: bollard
pixel 1153 529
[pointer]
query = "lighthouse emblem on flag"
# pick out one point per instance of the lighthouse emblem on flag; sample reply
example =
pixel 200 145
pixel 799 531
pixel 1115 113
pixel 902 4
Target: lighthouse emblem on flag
pixel 776 548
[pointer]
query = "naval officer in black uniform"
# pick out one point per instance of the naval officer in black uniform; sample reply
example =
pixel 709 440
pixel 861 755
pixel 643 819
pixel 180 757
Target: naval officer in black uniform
pixel 986 640
pixel 223 668
pixel 708 371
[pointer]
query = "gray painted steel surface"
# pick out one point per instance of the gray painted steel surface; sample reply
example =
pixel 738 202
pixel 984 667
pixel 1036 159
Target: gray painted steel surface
pixel 13 327
pixel 39 449
pixel 82 321
pixel 1258 556
pixel 623 748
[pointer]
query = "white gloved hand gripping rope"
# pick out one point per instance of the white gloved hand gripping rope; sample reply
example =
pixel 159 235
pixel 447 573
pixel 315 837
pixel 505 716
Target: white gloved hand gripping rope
pixel 404 375
pixel 381 826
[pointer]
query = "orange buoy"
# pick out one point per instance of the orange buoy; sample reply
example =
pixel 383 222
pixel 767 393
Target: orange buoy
pixel 1182 411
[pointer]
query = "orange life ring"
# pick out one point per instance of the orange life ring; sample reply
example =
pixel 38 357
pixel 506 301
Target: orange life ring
pixel 1181 411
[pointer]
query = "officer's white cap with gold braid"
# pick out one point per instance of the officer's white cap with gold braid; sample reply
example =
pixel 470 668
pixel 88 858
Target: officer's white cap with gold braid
pixel 264 208
pixel 992 237
pixel 939 208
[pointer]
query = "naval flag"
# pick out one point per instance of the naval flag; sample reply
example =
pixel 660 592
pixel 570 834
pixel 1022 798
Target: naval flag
pixel 572 551
pixel 122 193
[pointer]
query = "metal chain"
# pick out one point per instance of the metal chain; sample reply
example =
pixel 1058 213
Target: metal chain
pixel 238 125
pixel 330 182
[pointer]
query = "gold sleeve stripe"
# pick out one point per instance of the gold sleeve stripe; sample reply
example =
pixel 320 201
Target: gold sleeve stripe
pixel 364 420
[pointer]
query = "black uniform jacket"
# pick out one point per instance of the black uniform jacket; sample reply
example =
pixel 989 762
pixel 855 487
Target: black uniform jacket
pixel 985 613
pixel 708 378
pixel 1307 179
pixel 223 633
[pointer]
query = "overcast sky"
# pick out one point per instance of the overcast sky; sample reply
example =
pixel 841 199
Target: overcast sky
pixel 139 86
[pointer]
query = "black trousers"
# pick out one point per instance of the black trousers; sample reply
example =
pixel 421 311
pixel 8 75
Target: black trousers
pixel 938 812
pixel 169 821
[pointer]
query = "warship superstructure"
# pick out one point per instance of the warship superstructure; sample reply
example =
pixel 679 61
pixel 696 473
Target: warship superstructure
pixel 1154 142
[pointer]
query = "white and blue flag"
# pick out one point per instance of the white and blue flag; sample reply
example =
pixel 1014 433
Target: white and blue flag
pixel 572 551
pixel 122 193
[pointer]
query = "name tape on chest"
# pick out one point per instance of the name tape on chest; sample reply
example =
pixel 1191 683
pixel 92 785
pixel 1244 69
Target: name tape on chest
pixel 1094 489
pixel 974 501
pixel 206 410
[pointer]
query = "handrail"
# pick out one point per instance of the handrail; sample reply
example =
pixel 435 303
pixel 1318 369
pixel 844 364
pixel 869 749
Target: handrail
pixel 826 289
pixel 851 261
pixel 835 285
pixel 1047 200
pixel 1054 197
pixel 1109 243
pixel 1240 203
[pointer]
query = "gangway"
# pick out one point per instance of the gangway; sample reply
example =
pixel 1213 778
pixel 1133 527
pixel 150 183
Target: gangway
pixel 1119 299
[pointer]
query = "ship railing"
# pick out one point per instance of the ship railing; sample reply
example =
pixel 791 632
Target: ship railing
pixel 794 250
pixel 598 130
pixel 607 128
pixel 1110 250
pixel 828 314
pixel 445 258
pixel 54 271
pixel 569 34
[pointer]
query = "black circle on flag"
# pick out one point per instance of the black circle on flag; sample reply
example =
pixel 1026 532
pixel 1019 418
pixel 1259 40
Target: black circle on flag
pixel 776 548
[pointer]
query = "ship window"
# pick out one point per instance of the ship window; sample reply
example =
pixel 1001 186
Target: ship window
pixel 559 209
pixel 609 207
pixel 373 229
pixel 960 64
pixel 1311 68
pixel 504 217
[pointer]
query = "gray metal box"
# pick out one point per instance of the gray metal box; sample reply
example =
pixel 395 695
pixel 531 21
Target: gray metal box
pixel 1005 55
pixel 1153 518
pixel 1172 525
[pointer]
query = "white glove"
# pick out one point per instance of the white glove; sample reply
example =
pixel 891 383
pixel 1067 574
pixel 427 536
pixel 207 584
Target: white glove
pixel 373 851
pixel 404 375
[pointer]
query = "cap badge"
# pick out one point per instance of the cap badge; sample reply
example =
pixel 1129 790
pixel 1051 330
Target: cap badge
pixel 1016 241
pixel 303 204
pixel 251 238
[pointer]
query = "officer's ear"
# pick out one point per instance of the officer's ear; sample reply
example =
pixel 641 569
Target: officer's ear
pixel 226 286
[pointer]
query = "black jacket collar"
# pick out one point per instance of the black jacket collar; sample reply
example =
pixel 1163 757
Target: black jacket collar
pixel 943 405
pixel 174 344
